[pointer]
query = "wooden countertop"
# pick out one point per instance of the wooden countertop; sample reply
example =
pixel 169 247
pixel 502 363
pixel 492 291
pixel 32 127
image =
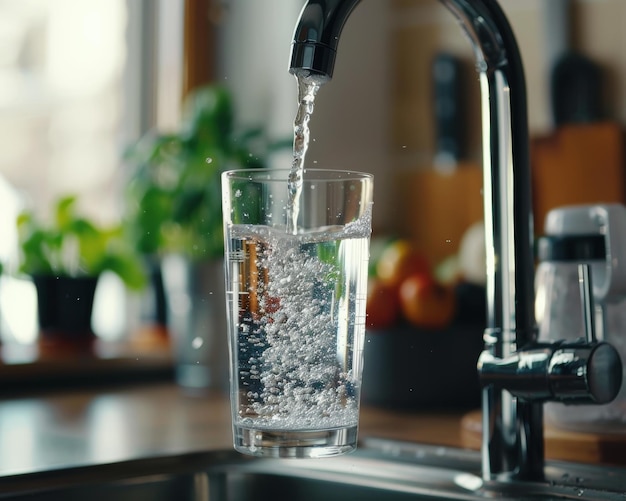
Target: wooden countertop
pixel 83 427
pixel 55 426
pixel 78 427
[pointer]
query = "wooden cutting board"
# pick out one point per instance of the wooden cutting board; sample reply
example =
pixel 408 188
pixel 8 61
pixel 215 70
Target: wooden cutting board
pixel 436 208
pixel 595 448
pixel 577 164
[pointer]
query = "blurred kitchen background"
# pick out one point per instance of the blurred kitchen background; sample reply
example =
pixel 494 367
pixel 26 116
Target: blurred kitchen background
pixel 80 80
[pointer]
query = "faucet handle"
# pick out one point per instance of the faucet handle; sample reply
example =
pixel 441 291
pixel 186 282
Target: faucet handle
pixel 598 363
pixel 584 373
pixel 573 372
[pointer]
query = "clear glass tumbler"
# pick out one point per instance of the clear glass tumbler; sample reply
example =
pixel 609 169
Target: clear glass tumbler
pixel 296 309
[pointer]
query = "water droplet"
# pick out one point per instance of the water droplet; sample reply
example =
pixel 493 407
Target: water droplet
pixel 197 342
pixel 208 160
pixel 238 193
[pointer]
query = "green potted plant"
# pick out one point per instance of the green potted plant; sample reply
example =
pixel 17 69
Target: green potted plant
pixel 174 193
pixel 175 220
pixel 65 258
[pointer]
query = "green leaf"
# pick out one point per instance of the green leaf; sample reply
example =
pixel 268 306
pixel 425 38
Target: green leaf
pixel 65 211
pixel 208 115
pixel 187 204
pixel 35 249
pixel 128 267
pixel 150 212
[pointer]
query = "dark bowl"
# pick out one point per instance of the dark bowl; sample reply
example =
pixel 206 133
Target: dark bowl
pixel 407 367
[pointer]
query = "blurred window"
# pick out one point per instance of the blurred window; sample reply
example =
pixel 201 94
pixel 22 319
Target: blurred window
pixel 62 68
pixel 79 81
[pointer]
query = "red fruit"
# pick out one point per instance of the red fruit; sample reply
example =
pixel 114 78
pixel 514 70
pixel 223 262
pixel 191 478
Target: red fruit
pixel 426 303
pixel 399 260
pixel 383 305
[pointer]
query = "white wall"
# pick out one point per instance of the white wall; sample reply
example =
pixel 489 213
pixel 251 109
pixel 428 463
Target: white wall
pixel 255 41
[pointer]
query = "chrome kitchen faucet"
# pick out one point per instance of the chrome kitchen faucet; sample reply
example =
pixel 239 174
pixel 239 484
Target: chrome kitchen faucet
pixel 517 372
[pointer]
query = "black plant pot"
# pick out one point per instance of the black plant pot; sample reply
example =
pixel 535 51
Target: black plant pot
pixel 65 305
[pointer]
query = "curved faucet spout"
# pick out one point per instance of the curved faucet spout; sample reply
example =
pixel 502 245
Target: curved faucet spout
pixel 512 427
pixel 317 35
pixel 513 438
pixel 512 418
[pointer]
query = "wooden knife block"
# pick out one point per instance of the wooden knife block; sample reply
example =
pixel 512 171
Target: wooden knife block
pixel 435 209
pixel 577 164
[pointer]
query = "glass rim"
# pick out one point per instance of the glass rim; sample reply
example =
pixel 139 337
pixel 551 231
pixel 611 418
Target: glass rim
pixel 282 175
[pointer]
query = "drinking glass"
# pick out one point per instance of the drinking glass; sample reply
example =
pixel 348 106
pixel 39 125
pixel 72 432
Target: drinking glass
pixel 295 296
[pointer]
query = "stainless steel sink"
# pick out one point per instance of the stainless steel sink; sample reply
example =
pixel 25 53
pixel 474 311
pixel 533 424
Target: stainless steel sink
pixel 380 469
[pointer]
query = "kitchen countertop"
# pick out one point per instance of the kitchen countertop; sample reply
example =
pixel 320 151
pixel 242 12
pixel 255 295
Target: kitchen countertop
pixel 77 427
pixel 80 410
pixel 48 429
